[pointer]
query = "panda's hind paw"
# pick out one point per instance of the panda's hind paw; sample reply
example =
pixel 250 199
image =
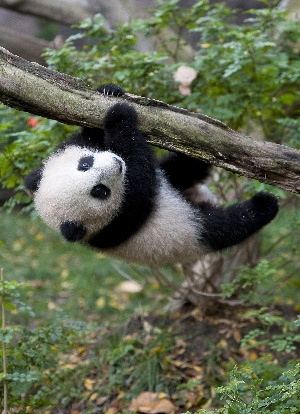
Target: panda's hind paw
pixel 111 90
pixel 265 204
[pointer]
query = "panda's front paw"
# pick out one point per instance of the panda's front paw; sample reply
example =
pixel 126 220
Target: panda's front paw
pixel 111 90
pixel 72 231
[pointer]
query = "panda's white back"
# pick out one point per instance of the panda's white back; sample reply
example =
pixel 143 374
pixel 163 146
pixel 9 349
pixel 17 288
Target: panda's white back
pixel 168 236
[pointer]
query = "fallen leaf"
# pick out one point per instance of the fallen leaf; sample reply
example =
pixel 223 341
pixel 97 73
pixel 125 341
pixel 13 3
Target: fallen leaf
pixel 93 396
pixel 111 410
pixel 89 384
pixel 149 403
pixel 253 356
pixel 100 303
pixel 237 336
pixel 163 406
pixel 101 400
pixel 129 286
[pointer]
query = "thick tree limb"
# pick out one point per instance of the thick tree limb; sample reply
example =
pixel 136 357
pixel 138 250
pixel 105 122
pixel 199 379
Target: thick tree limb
pixel 35 89
pixel 23 45
pixel 74 11
pixel 62 11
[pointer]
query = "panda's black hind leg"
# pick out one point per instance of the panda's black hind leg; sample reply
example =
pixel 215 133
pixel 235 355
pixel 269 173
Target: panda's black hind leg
pixel 184 171
pixel 228 226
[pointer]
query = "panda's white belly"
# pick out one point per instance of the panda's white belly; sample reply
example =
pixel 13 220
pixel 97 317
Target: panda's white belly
pixel 168 236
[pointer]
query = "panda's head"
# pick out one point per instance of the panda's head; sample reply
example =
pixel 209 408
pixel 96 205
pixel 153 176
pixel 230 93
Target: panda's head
pixel 80 191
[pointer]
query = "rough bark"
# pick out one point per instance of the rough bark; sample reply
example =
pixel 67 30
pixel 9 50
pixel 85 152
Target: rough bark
pixel 35 89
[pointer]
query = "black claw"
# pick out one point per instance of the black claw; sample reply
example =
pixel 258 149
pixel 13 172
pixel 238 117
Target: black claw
pixel 111 90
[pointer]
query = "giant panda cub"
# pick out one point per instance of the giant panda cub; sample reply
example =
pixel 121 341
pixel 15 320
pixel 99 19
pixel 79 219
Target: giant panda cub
pixel 104 188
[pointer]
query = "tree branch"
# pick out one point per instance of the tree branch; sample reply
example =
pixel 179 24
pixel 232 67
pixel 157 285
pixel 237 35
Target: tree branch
pixel 61 11
pixel 29 47
pixel 74 11
pixel 35 89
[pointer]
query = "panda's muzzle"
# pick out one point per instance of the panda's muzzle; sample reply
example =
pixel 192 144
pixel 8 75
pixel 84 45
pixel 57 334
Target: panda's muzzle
pixel 100 191
pixel 72 231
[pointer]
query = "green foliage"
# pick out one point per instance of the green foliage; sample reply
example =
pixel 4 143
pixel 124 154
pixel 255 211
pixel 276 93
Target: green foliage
pixel 141 361
pixel 33 356
pixel 249 392
pixel 248 72
pixel 109 56
pixel 286 338
pixel 246 283
pixel 35 364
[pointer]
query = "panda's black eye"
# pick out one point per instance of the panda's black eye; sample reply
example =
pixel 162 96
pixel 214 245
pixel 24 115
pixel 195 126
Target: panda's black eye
pixel 100 191
pixel 85 163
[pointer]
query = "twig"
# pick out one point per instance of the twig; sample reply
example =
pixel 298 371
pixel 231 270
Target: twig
pixel 122 273
pixel 164 280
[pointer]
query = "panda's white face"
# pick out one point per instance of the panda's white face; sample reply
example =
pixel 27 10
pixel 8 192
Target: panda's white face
pixel 81 185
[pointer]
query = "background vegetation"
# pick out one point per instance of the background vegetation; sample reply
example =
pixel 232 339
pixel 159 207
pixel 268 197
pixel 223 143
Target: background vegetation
pixel 80 340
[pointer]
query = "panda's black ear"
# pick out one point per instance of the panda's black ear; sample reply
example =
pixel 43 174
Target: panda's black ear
pixel 33 179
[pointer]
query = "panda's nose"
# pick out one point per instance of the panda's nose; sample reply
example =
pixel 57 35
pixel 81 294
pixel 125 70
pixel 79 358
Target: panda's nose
pixel 119 163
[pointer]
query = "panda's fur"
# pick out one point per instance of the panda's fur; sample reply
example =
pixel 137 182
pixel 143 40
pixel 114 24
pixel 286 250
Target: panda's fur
pixel 105 189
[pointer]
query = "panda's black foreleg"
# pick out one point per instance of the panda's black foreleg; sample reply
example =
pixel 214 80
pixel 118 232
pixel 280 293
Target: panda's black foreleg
pixel 227 226
pixel 123 138
pixel 183 171
pixel 93 138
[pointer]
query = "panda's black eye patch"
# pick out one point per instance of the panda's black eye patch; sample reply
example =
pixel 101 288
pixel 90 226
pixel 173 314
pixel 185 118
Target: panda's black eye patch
pixel 100 191
pixel 85 163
